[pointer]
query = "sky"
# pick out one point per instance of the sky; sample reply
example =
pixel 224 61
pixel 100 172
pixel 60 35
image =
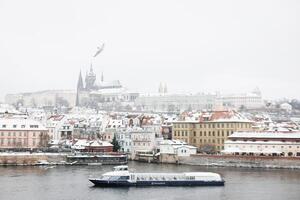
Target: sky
pixel 193 46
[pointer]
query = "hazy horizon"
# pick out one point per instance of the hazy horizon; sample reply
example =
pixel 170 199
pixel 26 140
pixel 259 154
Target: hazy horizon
pixel 192 46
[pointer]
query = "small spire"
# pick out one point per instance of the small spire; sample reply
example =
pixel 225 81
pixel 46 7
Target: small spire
pixel 91 69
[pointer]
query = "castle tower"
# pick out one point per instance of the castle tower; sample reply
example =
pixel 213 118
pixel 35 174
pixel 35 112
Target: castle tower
pixel 161 88
pixel 79 89
pixel 165 89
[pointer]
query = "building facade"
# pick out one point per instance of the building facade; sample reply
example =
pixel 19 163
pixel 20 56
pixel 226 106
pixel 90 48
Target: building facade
pixel 175 102
pixel 263 144
pixel 22 133
pixel 209 131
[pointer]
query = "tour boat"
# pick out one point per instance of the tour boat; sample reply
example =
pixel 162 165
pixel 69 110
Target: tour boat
pixel 121 177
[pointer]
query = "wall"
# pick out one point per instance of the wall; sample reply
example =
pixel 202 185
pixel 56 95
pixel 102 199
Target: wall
pixel 242 161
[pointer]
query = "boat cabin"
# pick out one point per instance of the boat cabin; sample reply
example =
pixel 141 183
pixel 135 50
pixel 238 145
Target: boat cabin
pixel 121 168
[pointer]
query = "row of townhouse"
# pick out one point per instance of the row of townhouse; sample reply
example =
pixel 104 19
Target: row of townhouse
pixel 137 140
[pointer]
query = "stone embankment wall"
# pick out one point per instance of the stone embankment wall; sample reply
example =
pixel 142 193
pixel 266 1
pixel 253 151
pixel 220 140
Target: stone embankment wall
pixel 242 161
pixel 29 159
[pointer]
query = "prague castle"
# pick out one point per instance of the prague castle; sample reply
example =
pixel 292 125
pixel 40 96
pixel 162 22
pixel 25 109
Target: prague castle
pixel 102 94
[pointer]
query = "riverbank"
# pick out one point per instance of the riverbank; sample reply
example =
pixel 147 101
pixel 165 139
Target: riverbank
pixel 28 159
pixel 241 161
pixel 31 159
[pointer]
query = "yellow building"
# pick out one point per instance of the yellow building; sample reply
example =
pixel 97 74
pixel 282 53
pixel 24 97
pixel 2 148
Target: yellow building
pixel 208 131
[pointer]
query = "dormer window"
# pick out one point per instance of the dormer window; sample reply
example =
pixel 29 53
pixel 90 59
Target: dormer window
pixel 22 126
pixel 14 126
pixel 4 126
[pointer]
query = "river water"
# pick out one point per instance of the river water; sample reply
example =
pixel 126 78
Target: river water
pixel 71 182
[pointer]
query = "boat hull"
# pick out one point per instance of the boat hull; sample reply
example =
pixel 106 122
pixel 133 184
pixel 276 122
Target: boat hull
pixel 106 183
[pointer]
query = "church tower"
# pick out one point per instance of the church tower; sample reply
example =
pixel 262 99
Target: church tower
pixel 79 89
pixel 90 79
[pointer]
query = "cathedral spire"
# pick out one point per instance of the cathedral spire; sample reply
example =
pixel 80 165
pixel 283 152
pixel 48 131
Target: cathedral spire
pixel 79 82
pixel 79 88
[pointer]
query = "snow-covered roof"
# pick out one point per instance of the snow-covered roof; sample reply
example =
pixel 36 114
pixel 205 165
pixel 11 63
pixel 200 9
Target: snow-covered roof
pixel 277 135
pixel 81 144
pixel 238 150
pixel 20 124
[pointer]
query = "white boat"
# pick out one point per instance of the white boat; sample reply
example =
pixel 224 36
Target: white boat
pixel 122 177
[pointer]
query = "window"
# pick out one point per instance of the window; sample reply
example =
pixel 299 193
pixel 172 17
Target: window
pixel 22 126
pixel 3 126
pixel 194 133
pixel 14 126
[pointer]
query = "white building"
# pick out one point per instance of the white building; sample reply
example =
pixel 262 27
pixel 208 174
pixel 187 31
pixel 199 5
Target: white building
pixel 176 147
pixel 175 102
pixel 263 143
pixel 137 140
pixel 250 100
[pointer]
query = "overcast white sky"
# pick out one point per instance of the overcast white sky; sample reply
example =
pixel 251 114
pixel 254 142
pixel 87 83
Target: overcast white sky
pixel 193 46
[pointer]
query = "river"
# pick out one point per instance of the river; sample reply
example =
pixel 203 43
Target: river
pixel 71 183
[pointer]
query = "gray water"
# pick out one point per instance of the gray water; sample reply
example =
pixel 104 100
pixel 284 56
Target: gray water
pixel 71 182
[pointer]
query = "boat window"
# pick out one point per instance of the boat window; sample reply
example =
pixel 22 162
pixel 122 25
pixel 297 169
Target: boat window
pixel 124 178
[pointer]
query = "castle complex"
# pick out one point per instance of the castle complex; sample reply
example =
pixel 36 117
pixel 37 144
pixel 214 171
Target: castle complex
pixel 103 94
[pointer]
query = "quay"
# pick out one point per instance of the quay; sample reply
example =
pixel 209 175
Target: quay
pixel 27 158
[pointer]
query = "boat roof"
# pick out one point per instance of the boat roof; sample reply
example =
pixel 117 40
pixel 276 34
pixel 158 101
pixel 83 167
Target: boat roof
pixel 121 167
